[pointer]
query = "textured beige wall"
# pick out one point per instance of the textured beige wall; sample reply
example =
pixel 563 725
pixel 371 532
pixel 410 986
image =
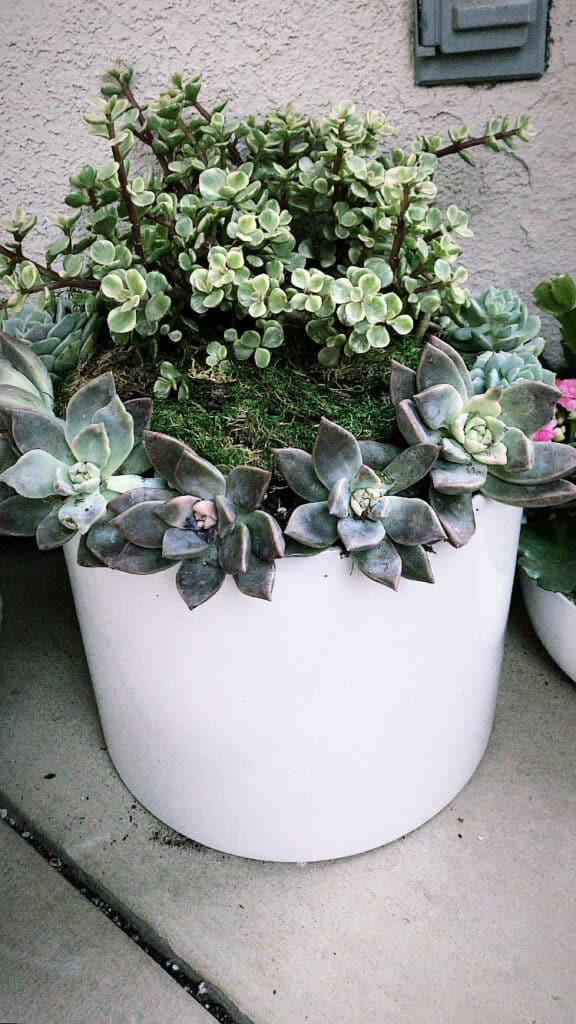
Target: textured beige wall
pixel 262 53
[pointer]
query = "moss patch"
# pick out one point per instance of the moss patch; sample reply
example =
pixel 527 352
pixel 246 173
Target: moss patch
pixel 240 419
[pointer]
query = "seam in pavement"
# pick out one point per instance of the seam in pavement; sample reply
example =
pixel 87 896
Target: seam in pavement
pixel 209 996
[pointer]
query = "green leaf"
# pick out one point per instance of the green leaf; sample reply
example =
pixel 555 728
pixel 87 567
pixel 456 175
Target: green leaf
pixel 262 358
pixel 121 321
pixel 157 307
pixel 548 553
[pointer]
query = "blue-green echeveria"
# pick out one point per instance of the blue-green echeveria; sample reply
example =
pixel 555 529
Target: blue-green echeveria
pixel 212 525
pixel 24 380
pixel 501 369
pixel 353 494
pixel 485 439
pixel 67 470
pixel 495 320
pixel 61 338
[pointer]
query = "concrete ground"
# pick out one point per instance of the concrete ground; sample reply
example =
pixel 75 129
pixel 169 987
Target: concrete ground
pixel 469 919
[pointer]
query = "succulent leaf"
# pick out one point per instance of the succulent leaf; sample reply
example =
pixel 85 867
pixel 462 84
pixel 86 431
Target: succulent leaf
pixel 410 466
pixel 119 427
pixel 381 563
pixel 258 579
pixel 34 430
pixel 335 454
pixel 141 525
pixel 456 514
pixel 550 461
pixel 415 563
pixel 179 544
pixel 87 402
pixel 51 533
pixel 452 478
pixel 412 521
pixel 359 534
pixel 195 475
pixel 246 486
pixel 91 444
pixel 267 539
pixel 436 367
pixel 21 517
pixel 312 525
pixel 378 456
pixel 556 492
pixel 164 453
pixel 199 579
pixel 297 468
pixel 34 475
pixel 528 405
pixel 235 549
pixel 402 382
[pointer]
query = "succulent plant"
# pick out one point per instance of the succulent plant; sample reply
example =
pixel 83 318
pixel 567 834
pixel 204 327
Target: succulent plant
pixel 495 320
pixel 24 380
pixel 67 470
pixel 484 439
pixel 280 216
pixel 212 525
pixel 558 297
pixel 353 494
pixel 61 338
pixel 501 369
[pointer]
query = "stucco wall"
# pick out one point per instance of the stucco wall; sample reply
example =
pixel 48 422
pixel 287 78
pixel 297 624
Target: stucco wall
pixel 262 53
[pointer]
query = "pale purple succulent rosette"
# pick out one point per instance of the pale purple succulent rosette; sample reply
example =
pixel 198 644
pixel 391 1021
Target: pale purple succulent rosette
pixel 210 524
pixel 484 440
pixel 353 496
pixel 58 475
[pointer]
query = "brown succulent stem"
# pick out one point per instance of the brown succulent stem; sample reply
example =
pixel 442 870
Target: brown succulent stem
pixel 400 230
pixel 457 147
pixel 123 179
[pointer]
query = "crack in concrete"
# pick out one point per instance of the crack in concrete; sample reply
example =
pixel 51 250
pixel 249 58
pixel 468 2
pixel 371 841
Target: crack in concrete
pixel 210 997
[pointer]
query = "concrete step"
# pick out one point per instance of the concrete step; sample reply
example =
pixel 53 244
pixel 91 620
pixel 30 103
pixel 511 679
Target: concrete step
pixel 63 962
pixel 470 918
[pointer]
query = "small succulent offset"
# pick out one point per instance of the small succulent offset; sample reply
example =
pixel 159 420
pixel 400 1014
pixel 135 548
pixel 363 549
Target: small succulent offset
pixel 212 525
pixel 495 320
pixel 501 369
pixel 353 494
pixel 67 470
pixel 63 339
pixel 485 439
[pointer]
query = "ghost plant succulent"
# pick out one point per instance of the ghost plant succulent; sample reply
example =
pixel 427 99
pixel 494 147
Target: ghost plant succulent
pixel 67 470
pixel 484 440
pixel 353 495
pixel 212 525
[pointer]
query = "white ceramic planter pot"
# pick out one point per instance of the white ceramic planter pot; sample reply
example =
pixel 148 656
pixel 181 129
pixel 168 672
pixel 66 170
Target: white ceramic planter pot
pixel 328 722
pixel 554 619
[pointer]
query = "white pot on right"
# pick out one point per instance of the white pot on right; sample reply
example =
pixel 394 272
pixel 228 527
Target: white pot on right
pixel 554 619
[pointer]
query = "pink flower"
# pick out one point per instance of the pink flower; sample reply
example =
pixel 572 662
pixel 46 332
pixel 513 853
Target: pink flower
pixel 567 389
pixel 546 433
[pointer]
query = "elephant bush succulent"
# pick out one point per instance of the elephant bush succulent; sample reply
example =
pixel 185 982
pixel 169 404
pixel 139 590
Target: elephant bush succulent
pixel 242 236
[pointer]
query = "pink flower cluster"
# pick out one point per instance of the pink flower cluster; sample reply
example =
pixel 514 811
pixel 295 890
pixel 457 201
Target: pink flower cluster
pixel 567 401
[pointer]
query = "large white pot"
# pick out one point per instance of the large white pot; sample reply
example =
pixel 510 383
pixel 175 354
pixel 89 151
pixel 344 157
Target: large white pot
pixel 554 619
pixel 328 722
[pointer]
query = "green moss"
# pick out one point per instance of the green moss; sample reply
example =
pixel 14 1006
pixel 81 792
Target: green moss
pixel 241 420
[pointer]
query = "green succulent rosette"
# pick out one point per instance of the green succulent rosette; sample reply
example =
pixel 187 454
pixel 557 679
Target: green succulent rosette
pixel 484 440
